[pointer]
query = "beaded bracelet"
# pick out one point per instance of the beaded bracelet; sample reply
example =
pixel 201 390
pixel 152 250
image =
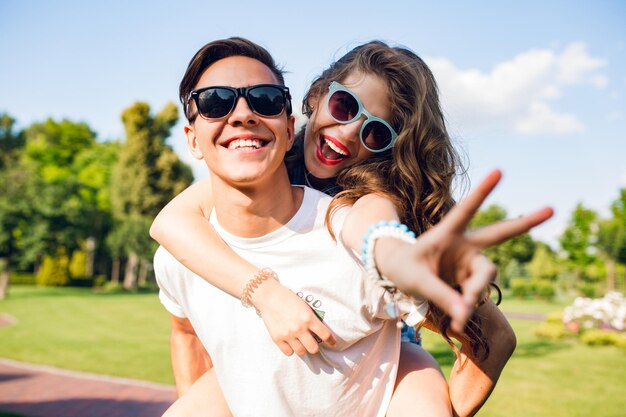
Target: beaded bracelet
pixel 254 283
pixel 384 228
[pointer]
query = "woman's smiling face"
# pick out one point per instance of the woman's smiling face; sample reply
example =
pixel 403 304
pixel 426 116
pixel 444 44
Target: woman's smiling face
pixel 329 146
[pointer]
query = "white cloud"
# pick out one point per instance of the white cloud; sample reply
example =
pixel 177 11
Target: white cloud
pixel 575 64
pixel 542 119
pixel 516 94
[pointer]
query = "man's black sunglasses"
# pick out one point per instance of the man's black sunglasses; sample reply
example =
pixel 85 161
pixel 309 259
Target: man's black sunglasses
pixel 266 100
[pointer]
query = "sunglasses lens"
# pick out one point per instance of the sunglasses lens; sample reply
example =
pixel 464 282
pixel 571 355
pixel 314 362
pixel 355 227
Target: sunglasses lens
pixel 343 106
pixel 376 135
pixel 215 102
pixel 267 100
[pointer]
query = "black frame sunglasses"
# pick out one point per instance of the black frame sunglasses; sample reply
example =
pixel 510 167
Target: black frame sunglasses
pixel 217 102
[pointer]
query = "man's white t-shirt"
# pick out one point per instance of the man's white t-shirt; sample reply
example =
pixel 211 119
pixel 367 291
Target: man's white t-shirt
pixel 355 378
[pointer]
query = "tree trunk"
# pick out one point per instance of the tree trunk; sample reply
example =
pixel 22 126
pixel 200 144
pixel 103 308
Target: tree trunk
pixel 37 265
pixel 4 277
pixel 610 274
pixel 143 273
pixel 115 272
pixel 90 248
pixel 130 276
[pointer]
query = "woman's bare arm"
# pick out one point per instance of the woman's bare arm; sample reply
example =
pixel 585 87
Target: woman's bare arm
pixel 183 229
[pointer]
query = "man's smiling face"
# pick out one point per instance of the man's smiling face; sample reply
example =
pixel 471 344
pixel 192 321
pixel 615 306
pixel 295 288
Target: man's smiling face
pixel 241 148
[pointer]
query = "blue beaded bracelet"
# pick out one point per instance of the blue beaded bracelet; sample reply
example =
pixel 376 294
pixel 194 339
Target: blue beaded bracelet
pixel 384 228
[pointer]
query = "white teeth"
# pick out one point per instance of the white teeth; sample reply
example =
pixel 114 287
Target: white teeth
pixel 245 143
pixel 335 147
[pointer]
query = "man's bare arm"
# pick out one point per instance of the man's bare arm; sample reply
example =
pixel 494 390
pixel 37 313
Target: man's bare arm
pixel 472 381
pixel 189 358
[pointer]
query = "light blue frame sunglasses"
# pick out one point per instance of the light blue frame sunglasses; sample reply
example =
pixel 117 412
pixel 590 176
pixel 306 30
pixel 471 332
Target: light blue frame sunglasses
pixel 338 95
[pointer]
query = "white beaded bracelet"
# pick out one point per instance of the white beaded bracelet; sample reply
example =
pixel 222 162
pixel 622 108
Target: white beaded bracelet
pixel 384 228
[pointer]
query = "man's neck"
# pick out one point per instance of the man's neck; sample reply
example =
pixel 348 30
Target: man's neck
pixel 258 209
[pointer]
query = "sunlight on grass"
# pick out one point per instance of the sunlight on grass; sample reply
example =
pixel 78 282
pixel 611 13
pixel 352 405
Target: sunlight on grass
pixel 550 378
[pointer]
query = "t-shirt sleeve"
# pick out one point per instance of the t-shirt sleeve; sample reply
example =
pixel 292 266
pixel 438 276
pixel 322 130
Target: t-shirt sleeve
pixel 377 299
pixel 165 270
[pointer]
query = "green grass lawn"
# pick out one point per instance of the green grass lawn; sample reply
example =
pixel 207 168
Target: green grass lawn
pixel 127 335
pixel 116 334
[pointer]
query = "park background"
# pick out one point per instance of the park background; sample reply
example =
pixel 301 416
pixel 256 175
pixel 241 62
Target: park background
pixel 92 146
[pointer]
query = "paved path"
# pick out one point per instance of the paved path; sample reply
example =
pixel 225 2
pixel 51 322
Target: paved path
pixel 42 391
pixel 525 316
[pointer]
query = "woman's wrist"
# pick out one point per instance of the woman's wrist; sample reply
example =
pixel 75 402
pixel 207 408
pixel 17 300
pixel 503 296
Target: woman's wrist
pixel 256 287
pixel 262 294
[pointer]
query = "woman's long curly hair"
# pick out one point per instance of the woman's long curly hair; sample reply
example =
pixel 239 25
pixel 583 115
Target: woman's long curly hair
pixel 417 173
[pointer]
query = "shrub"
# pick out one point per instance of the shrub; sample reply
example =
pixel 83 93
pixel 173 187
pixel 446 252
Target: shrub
pixel 543 288
pixel 549 330
pixel 22 278
pixel 54 270
pixel 587 289
pixel 555 318
pixel 595 337
pixel 519 287
pixel 78 264
pixel 99 280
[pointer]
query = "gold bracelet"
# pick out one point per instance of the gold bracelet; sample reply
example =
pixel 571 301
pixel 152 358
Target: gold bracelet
pixel 254 283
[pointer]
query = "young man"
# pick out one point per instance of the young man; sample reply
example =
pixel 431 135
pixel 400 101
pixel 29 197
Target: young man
pixel 243 138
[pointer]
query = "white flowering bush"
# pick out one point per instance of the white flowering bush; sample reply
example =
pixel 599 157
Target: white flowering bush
pixel 607 313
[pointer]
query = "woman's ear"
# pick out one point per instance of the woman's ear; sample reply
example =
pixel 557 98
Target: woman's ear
pixel 192 141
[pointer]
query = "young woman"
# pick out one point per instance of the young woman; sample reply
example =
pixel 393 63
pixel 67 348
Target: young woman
pixel 377 133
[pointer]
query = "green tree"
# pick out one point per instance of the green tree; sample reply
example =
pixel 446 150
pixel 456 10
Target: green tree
pixel 612 239
pixel 10 140
pixel 60 218
pixel 544 264
pixel 147 175
pixel 13 210
pixel 71 173
pixel 93 169
pixel 578 240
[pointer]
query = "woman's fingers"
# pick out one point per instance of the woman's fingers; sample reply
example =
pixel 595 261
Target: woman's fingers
pixel 451 302
pixel 322 332
pixel 298 347
pixel 460 216
pixel 483 271
pixel 499 232
pixel 309 343
pixel 284 347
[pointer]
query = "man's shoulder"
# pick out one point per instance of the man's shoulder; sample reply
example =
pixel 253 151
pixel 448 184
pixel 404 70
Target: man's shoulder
pixel 165 263
pixel 316 198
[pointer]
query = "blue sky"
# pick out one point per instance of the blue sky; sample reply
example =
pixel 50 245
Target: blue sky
pixel 535 88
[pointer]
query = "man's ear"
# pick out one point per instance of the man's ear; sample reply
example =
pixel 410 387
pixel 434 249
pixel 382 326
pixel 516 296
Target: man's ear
pixel 192 141
pixel 291 129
